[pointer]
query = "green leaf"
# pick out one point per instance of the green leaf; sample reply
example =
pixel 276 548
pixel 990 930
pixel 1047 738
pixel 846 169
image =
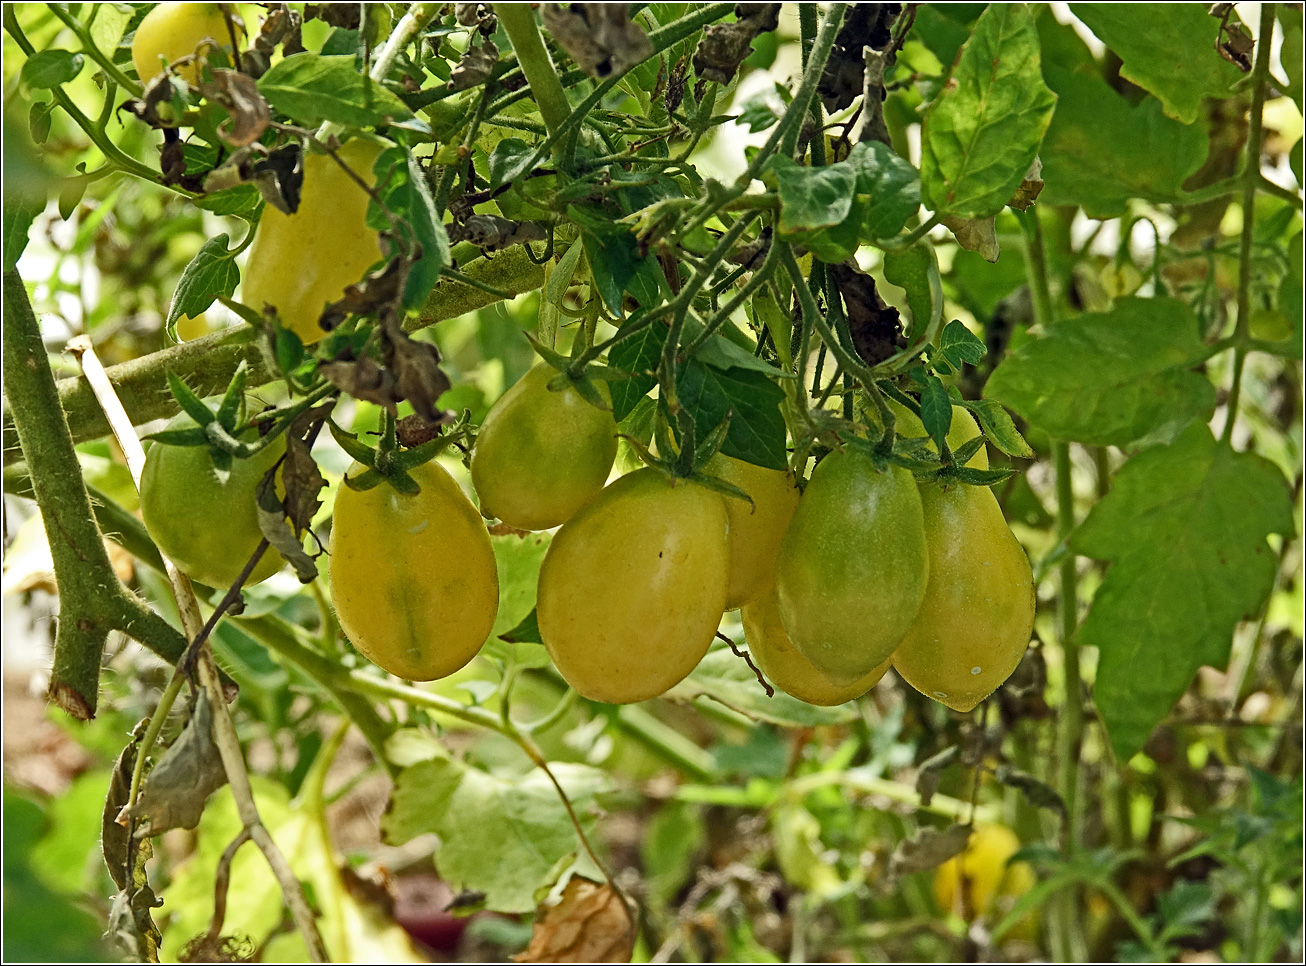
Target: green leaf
pixel 639 355
pixel 429 230
pixel 310 89
pixel 518 557
pixel 242 199
pixel 18 220
pixel 509 160
pixel 1116 378
pixel 527 631
pixel 958 344
pixel 50 68
pixel 1165 48
pixel 936 406
pixel 998 427
pixel 1290 21
pixel 729 680
pixel 1185 529
pixel 504 838
pixel 757 427
pixel 915 270
pixel 210 274
pixel 811 198
pixel 984 128
pixel 893 187
pixel 1100 150
pixel 613 254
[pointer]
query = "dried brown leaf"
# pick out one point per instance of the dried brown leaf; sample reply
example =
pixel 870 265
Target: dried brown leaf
pixel 975 235
pixel 239 94
pixel 875 326
pixel 176 788
pixel 727 45
pixel 475 67
pixel 600 37
pixel 590 924
pixel 929 849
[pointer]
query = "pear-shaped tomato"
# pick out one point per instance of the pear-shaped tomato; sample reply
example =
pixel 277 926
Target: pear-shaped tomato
pixel 633 586
pixel 172 31
pixel 208 528
pixel 778 659
pixel 978 612
pixel 413 578
pixel 974 881
pixel 853 567
pixel 756 528
pixel 298 263
pixel 540 455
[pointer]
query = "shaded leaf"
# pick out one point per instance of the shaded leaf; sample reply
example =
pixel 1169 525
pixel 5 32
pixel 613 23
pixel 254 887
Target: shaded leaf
pixel 999 427
pixel 311 88
pixel 892 187
pixel 638 355
pixel 725 678
pixel 50 68
pixel 750 400
pixel 978 235
pixel 929 849
pixel 177 787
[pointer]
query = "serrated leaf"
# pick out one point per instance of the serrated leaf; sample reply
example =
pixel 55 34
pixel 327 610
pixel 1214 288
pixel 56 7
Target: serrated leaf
pixel 211 274
pixel 959 344
pixel 936 408
pixel 509 160
pixel 1184 527
pixel 639 355
pixel 430 232
pixel 728 679
pixel 811 198
pixel 311 88
pixel 1165 48
pixel 999 427
pixel 1115 378
pixel 240 200
pixel 615 262
pixel 892 185
pixel 195 407
pixel 50 68
pixel 752 401
pixel 504 838
pixel 984 128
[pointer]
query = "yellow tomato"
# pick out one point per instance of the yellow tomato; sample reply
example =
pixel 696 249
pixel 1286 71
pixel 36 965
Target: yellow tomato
pixel 298 263
pixel 174 30
pixel 778 659
pixel 970 883
pixel 633 586
pixel 852 569
pixel 189 329
pixel 208 528
pixel 978 612
pixel 413 578
pixel 540 456
pixel 756 528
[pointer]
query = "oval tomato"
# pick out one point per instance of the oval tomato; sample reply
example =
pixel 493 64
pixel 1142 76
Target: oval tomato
pixel 207 528
pixel 972 882
pixel 413 577
pixel 174 30
pixel 978 613
pixel 852 569
pixel 778 659
pixel 757 528
pixel 540 455
pixel 633 586
pixel 298 263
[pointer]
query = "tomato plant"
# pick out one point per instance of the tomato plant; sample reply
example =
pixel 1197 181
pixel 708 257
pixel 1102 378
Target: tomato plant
pixel 752 482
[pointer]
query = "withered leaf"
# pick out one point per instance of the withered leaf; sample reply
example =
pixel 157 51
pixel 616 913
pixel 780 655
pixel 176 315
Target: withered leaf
pixel 1236 46
pixel 300 476
pixel 347 16
pixel 493 232
pixel 363 378
pixel 1040 794
pixel 1029 188
pixel 283 25
pixel 131 926
pixel 590 924
pixel 279 176
pixel 931 772
pixel 250 114
pixel 475 67
pixel 159 90
pixel 377 292
pixel 975 235
pixel 468 14
pixel 875 326
pixel 417 372
pixel 929 849
pixel 176 788
pixel 866 25
pixel 727 45
pixel 600 37
pixel 676 84
pixel 276 528
pixel 414 431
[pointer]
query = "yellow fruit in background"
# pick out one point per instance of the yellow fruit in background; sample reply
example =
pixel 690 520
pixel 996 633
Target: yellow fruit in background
pixel 542 455
pixel 298 263
pixel 970 884
pixel 633 587
pixel 172 31
pixel 413 577
pixel 978 613
pixel 189 329
pixel 778 659
pixel 757 528
pixel 963 429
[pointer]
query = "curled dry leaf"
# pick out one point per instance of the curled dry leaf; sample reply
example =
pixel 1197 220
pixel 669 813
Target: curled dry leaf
pixel 414 431
pixel 475 67
pixel 279 176
pixel 468 14
pixel 346 16
pixel 727 45
pixel 867 25
pixel 675 94
pixel 176 789
pixel 590 924
pixel 276 529
pixel 418 376
pixel 929 849
pixel 1029 188
pixel 493 232
pixel 300 476
pixel 875 326
pixel 975 235
pixel 131 925
pixel 250 114
pixel 931 772
pixel 600 37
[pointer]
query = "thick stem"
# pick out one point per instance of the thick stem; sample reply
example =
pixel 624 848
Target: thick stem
pixel 1251 181
pixel 518 22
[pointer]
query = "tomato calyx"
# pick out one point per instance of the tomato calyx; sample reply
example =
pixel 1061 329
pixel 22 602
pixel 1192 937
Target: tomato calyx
pixel 576 374
pixel 391 463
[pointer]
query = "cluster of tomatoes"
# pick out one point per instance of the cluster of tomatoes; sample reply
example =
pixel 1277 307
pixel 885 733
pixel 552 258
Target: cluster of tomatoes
pixel 862 570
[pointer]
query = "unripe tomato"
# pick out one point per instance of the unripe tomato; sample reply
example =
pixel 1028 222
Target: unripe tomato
pixel 633 586
pixel 190 328
pixel 778 659
pixel 413 578
pixel 207 528
pixel 298 263
pixel 756 528
pixel 174 30
pixel 978 612
pixel 853 567
pixel 540 456
pixel 963 429
pixel 982 873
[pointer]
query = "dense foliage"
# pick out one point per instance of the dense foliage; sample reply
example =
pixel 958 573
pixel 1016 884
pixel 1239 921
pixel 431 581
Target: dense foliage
pixel 569 415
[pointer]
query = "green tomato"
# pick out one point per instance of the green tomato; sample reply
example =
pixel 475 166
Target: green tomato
pixel 209 529
pixel 978 613
pixel 633 586
pixel 413 578
pixel 756 528
pixel 298 263
pixel 174 30
pixel 853 567
pixel 540 455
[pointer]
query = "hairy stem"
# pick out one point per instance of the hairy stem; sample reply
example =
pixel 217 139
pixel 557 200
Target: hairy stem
pixel 518 22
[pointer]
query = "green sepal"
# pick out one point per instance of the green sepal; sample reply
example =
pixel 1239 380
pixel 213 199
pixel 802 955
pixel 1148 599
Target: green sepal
pixel 221 464
pixel 721 486
pixel 879 459
pixel 220 439
pixel 191 404
pixel 706 449
pixel 410 459
pixel 352 445
pixel 556 359
pixel 975 477
pixel 607 373
pixel 684 462
pixel 922 469
pixel 402 482
pixel 364 481
pixel 234 398
pixel 962 454
pixel 194 436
